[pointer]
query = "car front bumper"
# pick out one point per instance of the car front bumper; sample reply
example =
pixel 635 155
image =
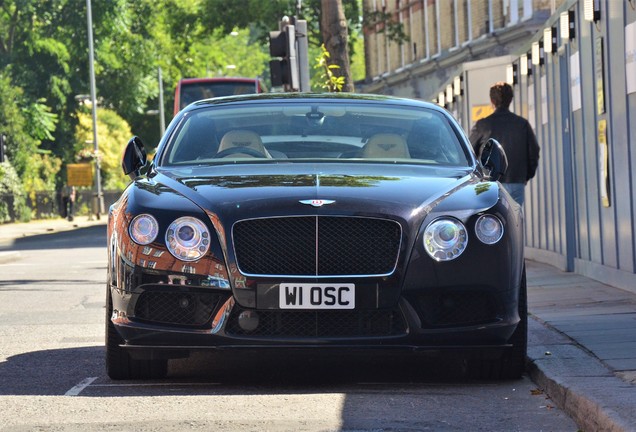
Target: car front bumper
pixel 170 322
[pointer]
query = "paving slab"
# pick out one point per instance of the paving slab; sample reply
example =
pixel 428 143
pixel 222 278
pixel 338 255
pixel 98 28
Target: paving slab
pixel 581 348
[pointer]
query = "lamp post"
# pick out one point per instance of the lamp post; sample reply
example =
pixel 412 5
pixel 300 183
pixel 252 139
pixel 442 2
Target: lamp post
pixel 162 117
pixel 160 111
pixel 91 58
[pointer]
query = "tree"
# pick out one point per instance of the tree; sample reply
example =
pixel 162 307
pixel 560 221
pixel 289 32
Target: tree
pixel 113 132
pixel 44 63
pixel 27 168
pixel 335 38
pixel 25 124
pixel 264 16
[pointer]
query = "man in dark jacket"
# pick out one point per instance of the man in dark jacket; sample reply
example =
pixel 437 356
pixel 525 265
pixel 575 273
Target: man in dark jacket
pixel 515 135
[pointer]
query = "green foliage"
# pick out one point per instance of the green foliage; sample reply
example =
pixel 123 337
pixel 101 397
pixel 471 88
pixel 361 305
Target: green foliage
pixel 262 15
pixel 112 135
pixel 42 173
pixel 385 23
pixel 212 54
pixel 40 58
pixel 11 186
pixel 44 65
pixel 330 81
pixel 41 122
pixel 12 124
pixel 358 71
pixel 25 127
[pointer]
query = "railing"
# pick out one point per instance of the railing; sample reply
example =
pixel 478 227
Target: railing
pixel 49 204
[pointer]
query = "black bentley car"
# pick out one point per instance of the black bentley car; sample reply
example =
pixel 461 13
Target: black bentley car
pixel 299 221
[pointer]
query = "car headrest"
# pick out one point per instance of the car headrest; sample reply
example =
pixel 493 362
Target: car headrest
pixel 243 138
pixel 386 146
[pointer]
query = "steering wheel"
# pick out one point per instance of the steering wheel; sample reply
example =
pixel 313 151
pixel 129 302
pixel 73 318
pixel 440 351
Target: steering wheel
pixel 234 150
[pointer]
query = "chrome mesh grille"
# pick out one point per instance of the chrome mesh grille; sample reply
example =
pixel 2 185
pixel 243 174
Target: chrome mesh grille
pixel 316 246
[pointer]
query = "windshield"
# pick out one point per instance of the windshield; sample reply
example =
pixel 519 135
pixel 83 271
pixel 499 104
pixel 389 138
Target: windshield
pixel 317 131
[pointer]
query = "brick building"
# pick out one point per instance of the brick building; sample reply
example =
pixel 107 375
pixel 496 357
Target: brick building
pixel 442 35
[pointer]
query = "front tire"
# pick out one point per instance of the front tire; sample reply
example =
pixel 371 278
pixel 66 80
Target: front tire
pixel 512 364
pixel 119 364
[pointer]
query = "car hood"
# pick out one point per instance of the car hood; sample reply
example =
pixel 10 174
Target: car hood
pixel 232 192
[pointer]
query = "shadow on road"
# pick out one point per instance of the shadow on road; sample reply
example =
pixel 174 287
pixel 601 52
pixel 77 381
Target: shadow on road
pixel 286 392
pixel 291 368
pixel 91 236
pixel 49 372
pixel 54 372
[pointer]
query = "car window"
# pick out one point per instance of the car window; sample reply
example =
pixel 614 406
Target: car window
pixel 192 92
pixel 315 131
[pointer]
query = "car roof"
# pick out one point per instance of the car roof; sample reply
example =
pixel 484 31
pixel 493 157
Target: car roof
pixel 306 97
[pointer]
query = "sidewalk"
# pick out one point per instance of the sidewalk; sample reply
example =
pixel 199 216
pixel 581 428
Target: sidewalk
pixel 9 233
pixel 582 336
pixel 582 347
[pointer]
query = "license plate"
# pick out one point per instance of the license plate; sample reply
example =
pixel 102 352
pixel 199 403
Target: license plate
pixel 317 296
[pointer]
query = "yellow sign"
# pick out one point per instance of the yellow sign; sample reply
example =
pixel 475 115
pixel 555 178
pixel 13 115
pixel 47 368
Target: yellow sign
pixel 480 111
pixel 79 174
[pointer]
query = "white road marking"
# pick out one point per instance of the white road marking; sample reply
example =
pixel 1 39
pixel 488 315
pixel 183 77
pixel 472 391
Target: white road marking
pixel 79 387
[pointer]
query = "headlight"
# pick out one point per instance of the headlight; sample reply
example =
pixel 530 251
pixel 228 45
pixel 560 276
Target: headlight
pixel 445 239
pixel 143 229
pixel 489 229
pixel 188 238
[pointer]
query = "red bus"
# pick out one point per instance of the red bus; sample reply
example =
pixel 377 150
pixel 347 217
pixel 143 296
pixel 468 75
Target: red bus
pixel 194 89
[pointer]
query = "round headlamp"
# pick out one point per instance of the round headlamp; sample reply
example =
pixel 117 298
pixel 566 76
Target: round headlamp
pixel 188 238
pixel 143 229
pixel 489 229
pixel 445 239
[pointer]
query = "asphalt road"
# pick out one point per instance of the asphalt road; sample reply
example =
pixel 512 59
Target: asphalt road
pixel 52 374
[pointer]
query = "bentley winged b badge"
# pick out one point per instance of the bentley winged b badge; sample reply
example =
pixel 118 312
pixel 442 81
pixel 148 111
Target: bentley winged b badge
pixel 316 202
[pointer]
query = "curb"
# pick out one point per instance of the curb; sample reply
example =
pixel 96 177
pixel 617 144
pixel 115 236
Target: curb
pixel 587 413
pixel 10 233
pixel 569 375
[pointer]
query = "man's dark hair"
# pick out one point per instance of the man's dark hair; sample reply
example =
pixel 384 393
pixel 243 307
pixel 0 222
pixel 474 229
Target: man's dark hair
pixel 501 95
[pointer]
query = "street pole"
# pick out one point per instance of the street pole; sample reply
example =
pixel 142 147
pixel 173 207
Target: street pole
pixel 162 117
pixel 303 55
pixel 303 49
pixel 91 59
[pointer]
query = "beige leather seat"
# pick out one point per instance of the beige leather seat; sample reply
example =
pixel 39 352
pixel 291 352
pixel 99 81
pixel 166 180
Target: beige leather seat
pixel 245 139
pixel 385 146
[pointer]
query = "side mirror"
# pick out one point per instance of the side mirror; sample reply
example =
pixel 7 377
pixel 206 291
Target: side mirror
pixel 493 158
pixel 134 157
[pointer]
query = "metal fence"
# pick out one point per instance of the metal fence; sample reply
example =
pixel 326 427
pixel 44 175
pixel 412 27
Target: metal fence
pixel 49 204
pixel 575 81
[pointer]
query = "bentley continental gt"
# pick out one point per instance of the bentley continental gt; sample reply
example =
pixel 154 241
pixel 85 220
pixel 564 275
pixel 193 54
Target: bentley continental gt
pixel 320 222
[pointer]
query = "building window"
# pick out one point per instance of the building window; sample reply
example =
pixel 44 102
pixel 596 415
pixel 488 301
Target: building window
pixel 188 269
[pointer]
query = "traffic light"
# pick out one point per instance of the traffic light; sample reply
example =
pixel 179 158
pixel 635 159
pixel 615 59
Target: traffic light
pixel 284 69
